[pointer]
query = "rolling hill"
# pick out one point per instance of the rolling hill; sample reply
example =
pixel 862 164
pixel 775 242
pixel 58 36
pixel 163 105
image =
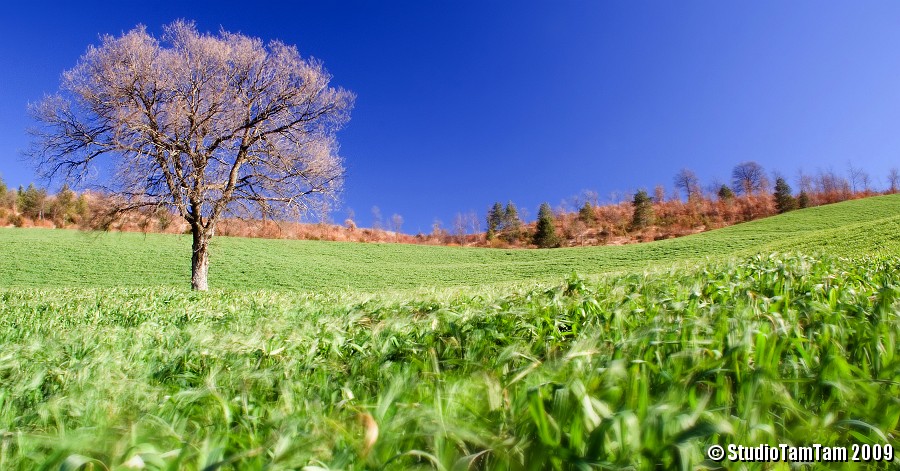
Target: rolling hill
pixel 110 362
pixel 66 258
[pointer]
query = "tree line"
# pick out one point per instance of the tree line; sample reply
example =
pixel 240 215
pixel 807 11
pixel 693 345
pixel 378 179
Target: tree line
pixel 752 193
pixel 35 204
pixel 645 215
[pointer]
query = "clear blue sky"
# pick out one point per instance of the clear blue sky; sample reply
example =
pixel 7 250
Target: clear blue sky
pixel 460 104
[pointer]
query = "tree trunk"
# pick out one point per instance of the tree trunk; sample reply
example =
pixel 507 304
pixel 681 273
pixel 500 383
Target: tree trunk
pixel 200 259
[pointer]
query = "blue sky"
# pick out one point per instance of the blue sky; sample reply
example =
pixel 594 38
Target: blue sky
pixel 460 104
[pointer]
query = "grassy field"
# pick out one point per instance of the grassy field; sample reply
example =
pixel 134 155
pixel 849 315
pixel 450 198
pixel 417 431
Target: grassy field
pixel 634 370
pixel 676 346
pixel 55 258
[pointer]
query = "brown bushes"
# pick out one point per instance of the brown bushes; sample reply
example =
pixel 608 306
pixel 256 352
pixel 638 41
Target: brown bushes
pixel 591 225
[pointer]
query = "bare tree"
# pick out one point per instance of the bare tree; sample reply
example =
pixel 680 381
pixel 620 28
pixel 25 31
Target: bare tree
pixel 831 187
pixel 659 194
pixel 866 181
pixel 575 202
pixel 396 224
pixel 377 222
pixel 805 182
pixel 474 222
pixel 350 222
pixel 438 233
pixel 208 125
pixel 748 178
pixel 459 228
pixel 686 180
pixel 893 180
pixel 859 179
pixel 590 196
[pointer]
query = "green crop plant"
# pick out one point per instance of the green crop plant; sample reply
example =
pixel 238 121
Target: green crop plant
pixel 61 258
pixel 631 370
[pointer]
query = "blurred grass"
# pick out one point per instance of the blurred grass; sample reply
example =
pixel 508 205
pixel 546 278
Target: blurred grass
pixel 628 371
pixel 62 258
pixel 317 355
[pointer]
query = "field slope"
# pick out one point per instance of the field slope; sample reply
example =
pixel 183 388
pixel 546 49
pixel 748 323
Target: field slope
pixel 61 258
pixel 628 372
pixel 108 361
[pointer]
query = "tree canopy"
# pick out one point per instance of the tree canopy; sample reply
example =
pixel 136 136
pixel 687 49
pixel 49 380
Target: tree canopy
pixel 206 125
pixel 545 233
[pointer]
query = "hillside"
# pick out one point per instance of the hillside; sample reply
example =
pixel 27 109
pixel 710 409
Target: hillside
pixel 632 370
pixel 67 258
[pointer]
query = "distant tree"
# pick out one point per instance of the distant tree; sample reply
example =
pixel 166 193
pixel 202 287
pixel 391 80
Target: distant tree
pixel 459 228
pixel 396 223
pixel 574 230
pixel 350 222
pixel 377 221
pixel 586 214
pixel 659 194
pixel 617 196
pixel 802 200
pixel 725 193
pixel 32 201
pixel 866 182
pixel 686 181
pixel 494 220
pixel 893 180
pixel 5 200
pixel 590 196
pixel 643 210
pixel 545 232
pixel 512 225
pixel 208 125
pixel 784 201
pixel 748 178
pixel 472 222
pixel 511 217
pixel 806 183
pixel 575 202
pixel 437 231
pixel 859 178
pixel 63 209
pixel 831 187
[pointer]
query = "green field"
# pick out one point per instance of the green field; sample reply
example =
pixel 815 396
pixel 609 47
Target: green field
pixel 49 258
pixel 108 361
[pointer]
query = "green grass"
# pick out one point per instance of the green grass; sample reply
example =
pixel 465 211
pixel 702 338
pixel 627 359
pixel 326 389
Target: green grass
pixel 449 358
pixel 56 258
pixel 628 371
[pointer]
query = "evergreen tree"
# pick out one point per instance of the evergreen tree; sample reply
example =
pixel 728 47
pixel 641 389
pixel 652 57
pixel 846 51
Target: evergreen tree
pixel 784 202
pixel 494 220
pixel 6 198
pixel 31 201
pixel 725 193
pixel 63 207
pixel 802 200
pixel 512 225
pixel 643 210
pixel 511 219
pixel 586 214
pixel 545 232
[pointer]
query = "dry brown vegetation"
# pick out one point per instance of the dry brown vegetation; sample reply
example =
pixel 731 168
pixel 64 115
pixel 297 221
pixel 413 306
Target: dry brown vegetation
pixel 599 224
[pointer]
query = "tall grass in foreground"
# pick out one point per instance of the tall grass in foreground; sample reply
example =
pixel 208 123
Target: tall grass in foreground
pixel 630 371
